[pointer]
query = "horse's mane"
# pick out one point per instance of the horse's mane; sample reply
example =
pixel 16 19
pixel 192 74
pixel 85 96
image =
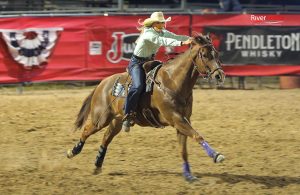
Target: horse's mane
pixel 202 39
pixel 174 59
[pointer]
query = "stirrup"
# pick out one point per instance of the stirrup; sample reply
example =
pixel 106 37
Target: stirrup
pixel 128 121
pixel 130 117
pixel 126 126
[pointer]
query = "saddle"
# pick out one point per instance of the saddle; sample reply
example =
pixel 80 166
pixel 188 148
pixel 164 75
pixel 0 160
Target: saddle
pixel 150 65
pixel 151 68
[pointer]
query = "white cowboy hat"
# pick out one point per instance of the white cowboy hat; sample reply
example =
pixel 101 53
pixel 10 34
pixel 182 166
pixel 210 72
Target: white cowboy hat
pixel 155 17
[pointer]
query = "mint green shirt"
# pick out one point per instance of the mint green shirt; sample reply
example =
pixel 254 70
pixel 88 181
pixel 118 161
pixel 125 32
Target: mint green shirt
pixel 150 41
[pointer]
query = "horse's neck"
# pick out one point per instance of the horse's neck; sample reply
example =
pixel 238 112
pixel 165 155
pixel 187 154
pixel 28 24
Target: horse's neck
pixel 182 73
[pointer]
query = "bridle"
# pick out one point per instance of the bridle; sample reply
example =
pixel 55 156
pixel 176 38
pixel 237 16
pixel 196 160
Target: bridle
pixel 208 72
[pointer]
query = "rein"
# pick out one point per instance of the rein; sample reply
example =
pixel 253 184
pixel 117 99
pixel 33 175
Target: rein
pixel 207 75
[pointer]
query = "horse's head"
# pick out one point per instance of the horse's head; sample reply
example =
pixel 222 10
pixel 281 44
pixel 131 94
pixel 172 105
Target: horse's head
pixel 206 58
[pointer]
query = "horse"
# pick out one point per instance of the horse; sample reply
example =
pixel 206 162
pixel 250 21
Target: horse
pixel 169 103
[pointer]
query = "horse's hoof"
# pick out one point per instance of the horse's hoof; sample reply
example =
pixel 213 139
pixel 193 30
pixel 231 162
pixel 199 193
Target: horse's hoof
pixel 69 154
pixel 218 158
pixel 190 178
pixel 97 170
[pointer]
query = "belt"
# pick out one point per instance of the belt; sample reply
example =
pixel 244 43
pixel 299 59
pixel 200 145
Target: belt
pixel 144 59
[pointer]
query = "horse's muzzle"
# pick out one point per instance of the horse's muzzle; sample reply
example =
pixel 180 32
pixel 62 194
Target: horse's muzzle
pixel 219 75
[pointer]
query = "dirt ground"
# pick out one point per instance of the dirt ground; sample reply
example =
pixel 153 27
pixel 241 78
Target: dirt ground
pixel 257 130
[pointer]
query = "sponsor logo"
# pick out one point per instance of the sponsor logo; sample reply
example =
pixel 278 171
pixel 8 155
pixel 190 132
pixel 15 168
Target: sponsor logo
pixel 262 45
pixel 266 19
pixel 122 47
pixel 256 44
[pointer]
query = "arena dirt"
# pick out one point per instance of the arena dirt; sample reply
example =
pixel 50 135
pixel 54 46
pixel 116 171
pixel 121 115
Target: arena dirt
pixel 257 131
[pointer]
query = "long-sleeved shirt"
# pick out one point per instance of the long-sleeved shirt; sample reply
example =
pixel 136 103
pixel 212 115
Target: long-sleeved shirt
pixel 150 41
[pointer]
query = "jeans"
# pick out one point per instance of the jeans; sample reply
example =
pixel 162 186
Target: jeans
pixel 137 73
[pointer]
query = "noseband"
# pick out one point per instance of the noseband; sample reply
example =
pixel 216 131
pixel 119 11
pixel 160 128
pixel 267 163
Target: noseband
pixel 208 71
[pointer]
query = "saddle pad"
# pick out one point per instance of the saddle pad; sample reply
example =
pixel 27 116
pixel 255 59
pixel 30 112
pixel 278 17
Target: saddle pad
pixel 150 78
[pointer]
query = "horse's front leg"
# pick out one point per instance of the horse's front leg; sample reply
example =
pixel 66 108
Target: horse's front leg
pixel 183 125
pixel 182 140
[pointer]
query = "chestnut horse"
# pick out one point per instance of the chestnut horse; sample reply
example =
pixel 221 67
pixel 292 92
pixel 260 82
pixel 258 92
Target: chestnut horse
pixel 170 102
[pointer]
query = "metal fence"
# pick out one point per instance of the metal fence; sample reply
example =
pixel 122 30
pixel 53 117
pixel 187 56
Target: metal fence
pixel 21 7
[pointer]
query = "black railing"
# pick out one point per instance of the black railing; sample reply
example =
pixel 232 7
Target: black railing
pixel 92 6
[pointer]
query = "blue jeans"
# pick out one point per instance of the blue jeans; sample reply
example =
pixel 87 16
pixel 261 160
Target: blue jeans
pixel 137 73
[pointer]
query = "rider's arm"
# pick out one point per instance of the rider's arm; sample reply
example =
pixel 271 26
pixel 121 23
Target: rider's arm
pixel 162 41
pixel 169 34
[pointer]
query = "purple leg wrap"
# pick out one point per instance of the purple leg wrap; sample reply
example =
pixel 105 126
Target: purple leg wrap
pixel 210 152
pixel 186 169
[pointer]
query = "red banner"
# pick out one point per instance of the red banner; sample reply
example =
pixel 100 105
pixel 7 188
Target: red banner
pixel 94 47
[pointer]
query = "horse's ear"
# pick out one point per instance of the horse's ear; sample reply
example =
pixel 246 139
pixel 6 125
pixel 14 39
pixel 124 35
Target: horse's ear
pixel 208 37
pixel 196 34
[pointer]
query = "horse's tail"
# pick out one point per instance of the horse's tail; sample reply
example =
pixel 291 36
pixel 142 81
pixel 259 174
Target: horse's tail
pixel 83 114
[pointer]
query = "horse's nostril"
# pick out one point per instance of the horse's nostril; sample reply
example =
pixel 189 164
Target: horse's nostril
pixel 218 77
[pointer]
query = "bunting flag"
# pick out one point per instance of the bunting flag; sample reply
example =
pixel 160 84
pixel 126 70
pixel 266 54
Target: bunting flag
pixel 31 47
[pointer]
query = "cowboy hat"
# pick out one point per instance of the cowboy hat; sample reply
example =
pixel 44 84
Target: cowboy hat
pixel 155 17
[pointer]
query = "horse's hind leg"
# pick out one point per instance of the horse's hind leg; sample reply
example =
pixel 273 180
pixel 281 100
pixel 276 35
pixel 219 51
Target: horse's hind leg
pixel 89 130
pixel 114 128
pixel 182 140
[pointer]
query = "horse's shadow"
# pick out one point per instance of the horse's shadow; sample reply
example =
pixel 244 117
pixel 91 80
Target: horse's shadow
pixel 268 181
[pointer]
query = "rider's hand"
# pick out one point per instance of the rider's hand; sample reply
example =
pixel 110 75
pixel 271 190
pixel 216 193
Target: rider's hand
pixel 187 42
